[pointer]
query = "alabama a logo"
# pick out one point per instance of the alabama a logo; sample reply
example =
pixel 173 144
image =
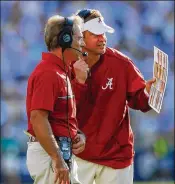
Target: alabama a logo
pixel 108 84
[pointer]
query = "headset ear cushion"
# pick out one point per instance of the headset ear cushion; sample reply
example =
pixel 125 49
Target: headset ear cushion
pixel 65 39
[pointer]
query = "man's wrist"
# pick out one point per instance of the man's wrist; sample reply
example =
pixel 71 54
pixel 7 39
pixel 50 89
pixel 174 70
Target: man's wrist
pixel 145 91
pixel 56 157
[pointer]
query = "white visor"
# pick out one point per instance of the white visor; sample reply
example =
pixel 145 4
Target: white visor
pixel 97 26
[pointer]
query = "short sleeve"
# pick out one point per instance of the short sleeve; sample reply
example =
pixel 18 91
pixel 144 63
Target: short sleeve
pixel 46 89
pixel 135 80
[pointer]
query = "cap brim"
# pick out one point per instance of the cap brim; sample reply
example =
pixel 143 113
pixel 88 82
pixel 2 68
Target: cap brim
pixel 97 27
pixel 101 30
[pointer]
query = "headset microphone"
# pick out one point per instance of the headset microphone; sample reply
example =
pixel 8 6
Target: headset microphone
pixel 83 53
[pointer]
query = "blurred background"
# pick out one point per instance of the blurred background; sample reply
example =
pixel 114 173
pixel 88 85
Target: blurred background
pixel 139 25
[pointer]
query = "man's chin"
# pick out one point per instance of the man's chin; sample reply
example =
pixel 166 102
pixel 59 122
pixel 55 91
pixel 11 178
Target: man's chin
pixel 102 51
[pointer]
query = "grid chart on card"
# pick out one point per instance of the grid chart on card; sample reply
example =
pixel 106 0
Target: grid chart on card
pixel 160 72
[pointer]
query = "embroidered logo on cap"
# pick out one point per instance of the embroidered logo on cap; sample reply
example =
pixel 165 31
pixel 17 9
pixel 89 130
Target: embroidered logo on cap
pixel 99 20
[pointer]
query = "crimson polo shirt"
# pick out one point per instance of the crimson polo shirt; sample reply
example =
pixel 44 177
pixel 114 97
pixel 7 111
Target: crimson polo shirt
pixel 102 109
pixel 47 90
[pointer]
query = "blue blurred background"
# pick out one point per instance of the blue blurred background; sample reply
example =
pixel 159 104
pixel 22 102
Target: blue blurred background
pixel 139 26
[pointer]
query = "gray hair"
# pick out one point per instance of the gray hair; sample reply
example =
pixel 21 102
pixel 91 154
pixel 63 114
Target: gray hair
pixel 53 27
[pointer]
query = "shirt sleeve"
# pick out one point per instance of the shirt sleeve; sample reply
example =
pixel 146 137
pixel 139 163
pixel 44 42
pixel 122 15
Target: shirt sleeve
pixel 135 78
pixel 136 96
pixel 46 90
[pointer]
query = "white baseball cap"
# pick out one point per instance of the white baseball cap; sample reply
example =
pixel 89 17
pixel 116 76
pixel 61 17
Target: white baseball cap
pixel 97 26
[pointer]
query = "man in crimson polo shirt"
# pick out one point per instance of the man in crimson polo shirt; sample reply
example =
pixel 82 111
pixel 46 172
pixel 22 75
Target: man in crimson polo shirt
pixel 47 90
pixel 51 108
pixel 114 84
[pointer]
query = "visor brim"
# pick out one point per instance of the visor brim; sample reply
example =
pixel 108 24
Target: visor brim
pixel 96 27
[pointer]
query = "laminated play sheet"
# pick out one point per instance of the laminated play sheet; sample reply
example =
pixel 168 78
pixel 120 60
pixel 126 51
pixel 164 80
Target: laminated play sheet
pixel 160 72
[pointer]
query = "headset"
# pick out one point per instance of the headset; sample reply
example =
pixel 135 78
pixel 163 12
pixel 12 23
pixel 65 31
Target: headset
pixel 65 36
pixel 64 40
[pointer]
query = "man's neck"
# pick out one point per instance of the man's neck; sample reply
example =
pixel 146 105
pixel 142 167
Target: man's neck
pixel 92 59
pixel 57 53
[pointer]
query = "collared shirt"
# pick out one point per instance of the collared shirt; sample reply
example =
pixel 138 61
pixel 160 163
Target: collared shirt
pixel 47 90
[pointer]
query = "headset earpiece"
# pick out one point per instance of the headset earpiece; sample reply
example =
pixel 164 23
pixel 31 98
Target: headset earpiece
pixel 65 36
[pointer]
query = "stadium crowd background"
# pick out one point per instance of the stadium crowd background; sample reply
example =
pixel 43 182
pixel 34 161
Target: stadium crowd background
pixel 138 27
